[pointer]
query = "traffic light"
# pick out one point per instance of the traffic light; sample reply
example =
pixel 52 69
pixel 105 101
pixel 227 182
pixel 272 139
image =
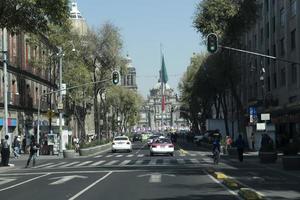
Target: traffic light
pixel 212 43
pixel 115 77
pixel 172 109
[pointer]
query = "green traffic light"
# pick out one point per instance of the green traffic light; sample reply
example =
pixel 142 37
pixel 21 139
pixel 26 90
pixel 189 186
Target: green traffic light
pixel 212 43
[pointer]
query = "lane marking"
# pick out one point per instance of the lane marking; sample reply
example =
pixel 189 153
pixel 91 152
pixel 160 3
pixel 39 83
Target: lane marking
pixel 55 165
pixel 223 186
pixel 130 155
pixel 108 156
pixel 155 178
pixel 140 155
pixel 90 186
pixel 166 162
pixel 69 164
pixel 139 162
pixel 138 151
pixel 180 160
pixel 98 163
pixel 84 163
pixel 120 155
pixel 152 162
pixel 99 156
pixel 193 154
pixel 111 162
pixel 39 166
pixel 125 162
pixel 12 186
pixel 64 179
pixel 194 161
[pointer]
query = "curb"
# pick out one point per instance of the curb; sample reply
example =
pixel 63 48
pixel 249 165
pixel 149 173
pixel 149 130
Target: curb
pixel 243 191
pixel 249 194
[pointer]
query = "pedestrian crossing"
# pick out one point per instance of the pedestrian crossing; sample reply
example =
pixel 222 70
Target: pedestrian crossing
pixel 133 162
pixel 135 155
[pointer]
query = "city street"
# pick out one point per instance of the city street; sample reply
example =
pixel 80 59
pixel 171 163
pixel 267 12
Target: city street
pixel 136 175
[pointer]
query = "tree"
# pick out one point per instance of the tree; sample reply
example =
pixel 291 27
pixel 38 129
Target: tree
pixel 126 104
pixel 103 57
pixel 33 16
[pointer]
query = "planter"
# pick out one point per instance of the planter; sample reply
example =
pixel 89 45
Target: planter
pixel 232 151
pixel 94 150
pixel 291 162
pixel 69 153
pixel 267 157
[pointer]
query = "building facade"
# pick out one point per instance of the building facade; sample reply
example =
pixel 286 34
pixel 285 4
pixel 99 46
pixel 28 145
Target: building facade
pixel 78 22
pixel 128 80
pixel 273 86
pixel 151 115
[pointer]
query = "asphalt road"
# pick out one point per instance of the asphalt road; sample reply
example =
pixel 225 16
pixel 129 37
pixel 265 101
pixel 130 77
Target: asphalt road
pixel 109 176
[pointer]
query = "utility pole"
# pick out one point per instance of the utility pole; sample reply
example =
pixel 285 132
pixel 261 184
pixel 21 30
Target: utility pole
pixel 60 96
pixel 4 50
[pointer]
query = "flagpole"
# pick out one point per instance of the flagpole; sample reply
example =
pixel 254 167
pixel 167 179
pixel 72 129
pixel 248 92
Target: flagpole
pixel 162 89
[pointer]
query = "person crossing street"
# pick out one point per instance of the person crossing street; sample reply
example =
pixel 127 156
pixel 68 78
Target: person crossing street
pixel 33 152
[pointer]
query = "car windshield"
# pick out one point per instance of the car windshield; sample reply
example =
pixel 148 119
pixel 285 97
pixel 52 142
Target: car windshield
pixel 162 141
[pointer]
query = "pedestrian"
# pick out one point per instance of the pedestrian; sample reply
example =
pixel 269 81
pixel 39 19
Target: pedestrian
pixel 228 143
pixel 240 144
pixel 252 141
pixel 33 151
pixel 5 151
pixel 16 146
pixel 24 145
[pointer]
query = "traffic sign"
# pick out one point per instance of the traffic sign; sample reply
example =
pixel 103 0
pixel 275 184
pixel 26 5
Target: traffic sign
pixel 60 106
pixel 50 114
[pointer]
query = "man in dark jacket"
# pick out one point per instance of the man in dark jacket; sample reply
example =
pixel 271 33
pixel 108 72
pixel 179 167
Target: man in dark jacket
pixel 240 144
pixel 33 151
pixel 5 151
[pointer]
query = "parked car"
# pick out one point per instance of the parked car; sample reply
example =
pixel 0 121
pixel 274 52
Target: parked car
pixel 121 143
pixel 162 146
pixel 137 137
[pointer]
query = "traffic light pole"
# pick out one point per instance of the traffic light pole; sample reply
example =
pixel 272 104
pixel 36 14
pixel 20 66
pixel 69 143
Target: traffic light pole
pixel 259 54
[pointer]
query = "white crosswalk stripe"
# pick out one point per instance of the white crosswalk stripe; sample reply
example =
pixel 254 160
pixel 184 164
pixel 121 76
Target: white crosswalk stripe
pixel 130 155
pixel 55 165
pixel 84 163
pixel 139 162
pixel 152 162
pixel 118 156
pixel 99 156
pixel 98 163
pixel 69 164
pixel 111 162
pixel 194 161
pixel 140 155
pixel 44 165
pixel 193 154
pixel 108 156
pixel 125 162
pixel 180 161
pixel 166 162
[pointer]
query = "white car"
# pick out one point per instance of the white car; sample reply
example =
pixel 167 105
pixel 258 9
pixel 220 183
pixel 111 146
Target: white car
pixel 121 143
pixel 162 146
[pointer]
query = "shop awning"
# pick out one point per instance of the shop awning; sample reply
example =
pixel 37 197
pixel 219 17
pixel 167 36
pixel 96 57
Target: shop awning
pixel 11 121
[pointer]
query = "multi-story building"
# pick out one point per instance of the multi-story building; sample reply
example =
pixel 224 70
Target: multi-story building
pixel 31 73
pixel 128 80
pixel 151 115
pixel 78 22
pixel 273 86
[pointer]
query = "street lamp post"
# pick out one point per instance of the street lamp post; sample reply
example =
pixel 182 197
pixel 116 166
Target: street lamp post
pixel 60 96
pixel 4 51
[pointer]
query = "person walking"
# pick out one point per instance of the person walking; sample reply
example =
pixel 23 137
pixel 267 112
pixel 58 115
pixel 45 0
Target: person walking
pixel 240 144
pixel 228 143
pixel 16 146
pixel 252 141
pixel 33 151
pixel 5 151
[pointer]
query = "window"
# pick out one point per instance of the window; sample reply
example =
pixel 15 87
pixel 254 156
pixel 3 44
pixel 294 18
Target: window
pixel 274 50
pixel 282 16
pixel 282 51
pixel 293 39
pixel 267 30
pixel 282 77
pixel 293 7
pixel 274 80
pixel 274 24
pixel 294 74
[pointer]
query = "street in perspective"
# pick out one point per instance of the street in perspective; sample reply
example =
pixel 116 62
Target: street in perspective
pixel 150 100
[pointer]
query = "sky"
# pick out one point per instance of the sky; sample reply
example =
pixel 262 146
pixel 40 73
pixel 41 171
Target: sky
pixel 144 25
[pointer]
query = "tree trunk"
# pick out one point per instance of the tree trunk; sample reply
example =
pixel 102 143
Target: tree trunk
pixel 96 113
pixel 225 111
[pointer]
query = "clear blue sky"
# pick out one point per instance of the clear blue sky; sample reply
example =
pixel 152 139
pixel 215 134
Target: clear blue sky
pixel 144 24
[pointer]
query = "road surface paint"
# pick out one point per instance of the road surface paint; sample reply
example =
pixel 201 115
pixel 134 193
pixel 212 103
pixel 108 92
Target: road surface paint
pixel 63 179
pixel 155 177
pixel 4 180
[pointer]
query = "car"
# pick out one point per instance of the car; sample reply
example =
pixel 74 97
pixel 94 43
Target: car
pixel 137 137
pixel 198 139
pixel 162 146
pixel 151 139
pixel 121 143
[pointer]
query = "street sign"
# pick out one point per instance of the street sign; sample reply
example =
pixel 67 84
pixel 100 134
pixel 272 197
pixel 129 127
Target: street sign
pixel 261 126
pixel 63 179
pixel 60 106
pixel 50 114
pixel 253 115
pixel 63 89
pixel 265 116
